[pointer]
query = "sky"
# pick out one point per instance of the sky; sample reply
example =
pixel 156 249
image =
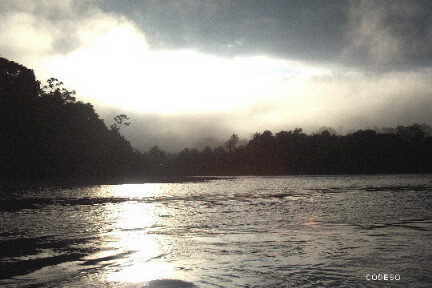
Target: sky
pixel 192 72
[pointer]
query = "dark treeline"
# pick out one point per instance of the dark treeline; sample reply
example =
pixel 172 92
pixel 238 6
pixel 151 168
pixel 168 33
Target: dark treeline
pixel 47 135
pixel 405 149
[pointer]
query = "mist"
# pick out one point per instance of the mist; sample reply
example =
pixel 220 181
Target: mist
pixel 360 102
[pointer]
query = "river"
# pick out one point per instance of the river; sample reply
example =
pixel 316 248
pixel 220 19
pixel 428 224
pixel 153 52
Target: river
pixel 293 231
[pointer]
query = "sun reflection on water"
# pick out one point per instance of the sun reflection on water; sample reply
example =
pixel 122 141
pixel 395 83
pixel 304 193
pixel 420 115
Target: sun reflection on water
pixel 136 190
pixel 132 235
pixel 146 263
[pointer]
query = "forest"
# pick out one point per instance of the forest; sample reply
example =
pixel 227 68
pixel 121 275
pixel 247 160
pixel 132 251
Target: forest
pixel 48 135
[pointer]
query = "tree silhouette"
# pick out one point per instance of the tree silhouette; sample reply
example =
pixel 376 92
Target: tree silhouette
pixel 120 121
pixel 48 135
pixel 232 142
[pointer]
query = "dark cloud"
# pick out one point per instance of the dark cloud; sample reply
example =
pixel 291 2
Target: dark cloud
pixel 379 35
pixel 373 34
pixel 390 35
pixel 295 29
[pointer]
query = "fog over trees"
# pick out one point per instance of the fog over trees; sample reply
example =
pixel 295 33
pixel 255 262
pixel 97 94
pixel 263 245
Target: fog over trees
pixel 47 135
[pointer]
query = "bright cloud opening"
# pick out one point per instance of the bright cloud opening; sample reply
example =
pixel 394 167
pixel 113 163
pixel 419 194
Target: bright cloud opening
pixel 115 67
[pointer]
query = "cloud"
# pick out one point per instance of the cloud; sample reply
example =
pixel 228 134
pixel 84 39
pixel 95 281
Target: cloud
pixel 18 38
pixel 379 35
pixel 390 35
pixel 298 29
pixel 35 30
pixel 366 34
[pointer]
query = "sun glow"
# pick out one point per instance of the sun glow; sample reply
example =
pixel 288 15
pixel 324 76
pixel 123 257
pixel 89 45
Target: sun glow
pixel 116 67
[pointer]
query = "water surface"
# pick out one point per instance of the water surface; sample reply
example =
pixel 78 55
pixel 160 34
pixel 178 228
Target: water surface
pixel 322 231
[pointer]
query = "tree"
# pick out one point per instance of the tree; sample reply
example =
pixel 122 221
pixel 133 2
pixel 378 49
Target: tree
pixel 55 89
pixel 120 121
pixel 232 142
pixel 48 135
pixel 326 131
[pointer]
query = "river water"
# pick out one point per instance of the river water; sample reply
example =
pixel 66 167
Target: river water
pixel 307 231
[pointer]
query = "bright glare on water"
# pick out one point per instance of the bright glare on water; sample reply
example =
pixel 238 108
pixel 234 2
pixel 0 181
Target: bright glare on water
pixel 326 231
